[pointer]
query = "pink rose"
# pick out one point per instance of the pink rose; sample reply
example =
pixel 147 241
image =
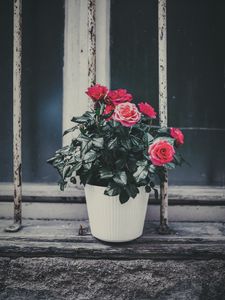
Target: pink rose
pixel 127 114
pixel 147 110
pixel 161 152
pixel 177 134
pixel 97 92
pixel 119 96
pixel 108 109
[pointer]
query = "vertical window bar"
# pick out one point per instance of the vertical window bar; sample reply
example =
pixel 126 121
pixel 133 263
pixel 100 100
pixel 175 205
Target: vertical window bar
pixel 91 42
pixel 17 158
pixel 162 48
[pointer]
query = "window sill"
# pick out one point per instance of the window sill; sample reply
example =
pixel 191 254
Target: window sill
pixel 178 195
pixel 39 238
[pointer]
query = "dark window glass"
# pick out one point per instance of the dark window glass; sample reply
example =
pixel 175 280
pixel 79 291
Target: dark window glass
pixel 6 21
pixel 134 53
pixel 42 60
pixel 196 94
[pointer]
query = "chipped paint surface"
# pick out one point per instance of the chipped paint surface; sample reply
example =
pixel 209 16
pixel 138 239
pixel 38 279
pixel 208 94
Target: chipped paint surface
pixel 162 40
pixel 17 160
pixel 91 42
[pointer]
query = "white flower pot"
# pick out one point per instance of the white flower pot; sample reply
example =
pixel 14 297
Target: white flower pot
pixel 112 221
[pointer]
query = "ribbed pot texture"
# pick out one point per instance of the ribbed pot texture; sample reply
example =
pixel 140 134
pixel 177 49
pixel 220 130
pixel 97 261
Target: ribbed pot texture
pixel 112 221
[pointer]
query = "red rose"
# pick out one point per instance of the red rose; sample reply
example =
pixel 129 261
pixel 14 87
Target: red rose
pixel 127 114
pixel 177 134
pixel 147 110
pixel 97 92
pixel 161 152
pixel 108 109
pixel 119 96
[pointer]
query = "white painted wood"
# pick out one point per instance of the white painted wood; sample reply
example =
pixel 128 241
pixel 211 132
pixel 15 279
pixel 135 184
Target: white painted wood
pixel 103 42
pixel 17 152
pixel 75 74
pixel 162 48
pixel 91 42
pixel 200 193
pixel 74 211
pixel 35 210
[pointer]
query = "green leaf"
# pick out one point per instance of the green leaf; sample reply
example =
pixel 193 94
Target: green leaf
pixel 135 140
pixel 126 143
pixel 148 138
pixel 178 159
pixel 106 116
pixel 112 190
pixel 98 142
pixel 131 190
pixel 163 130
pixel 62 184
pixel 67 171
pixel 142 163
pixel 77 166
pixel 165 138
pixel 85 147
pixel 70 130
pixel 124 197
pixel 77 157
pixel 105 174
pixel 83 138
pixel 152 169
pixel 148 189
pixel 120 178
pixel 87 166
pixel 140 174
pixel 120 163
pixel 84 118
pixel 156 194
pixel 51 160
pixel 132 164
pixel 170 166
pixel 112 143
pixel 73 180
pixel 90 156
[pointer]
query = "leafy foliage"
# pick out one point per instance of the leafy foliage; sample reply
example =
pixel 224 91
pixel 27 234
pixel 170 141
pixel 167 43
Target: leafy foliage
pixel 106 153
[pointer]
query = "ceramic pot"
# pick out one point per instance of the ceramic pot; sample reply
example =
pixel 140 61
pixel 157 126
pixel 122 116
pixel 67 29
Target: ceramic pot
pixel 112 221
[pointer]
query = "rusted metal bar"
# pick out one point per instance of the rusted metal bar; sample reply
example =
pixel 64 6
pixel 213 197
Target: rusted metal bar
pixel 162 46
pixel 17 157
pixel 91 42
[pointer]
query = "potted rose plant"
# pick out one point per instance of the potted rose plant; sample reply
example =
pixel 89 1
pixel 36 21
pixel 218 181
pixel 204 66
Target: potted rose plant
pixel 117 155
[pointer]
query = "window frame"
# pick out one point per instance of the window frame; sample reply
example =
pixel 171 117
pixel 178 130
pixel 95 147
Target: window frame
pixel 75 81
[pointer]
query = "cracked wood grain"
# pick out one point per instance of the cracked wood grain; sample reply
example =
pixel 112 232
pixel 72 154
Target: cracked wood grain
pixel 91 42
pixel 162 48
pixel 17 157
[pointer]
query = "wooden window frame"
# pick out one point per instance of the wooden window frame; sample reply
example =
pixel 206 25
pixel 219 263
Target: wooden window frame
pixel 45 200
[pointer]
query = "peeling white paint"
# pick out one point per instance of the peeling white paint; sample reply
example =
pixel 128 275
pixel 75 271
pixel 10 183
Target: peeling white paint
pixel 162 48
pixel 77 54
pixel 17 66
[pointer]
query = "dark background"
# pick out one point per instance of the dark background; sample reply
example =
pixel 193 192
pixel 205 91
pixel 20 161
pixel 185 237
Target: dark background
pixel 42 63
pixel 196 73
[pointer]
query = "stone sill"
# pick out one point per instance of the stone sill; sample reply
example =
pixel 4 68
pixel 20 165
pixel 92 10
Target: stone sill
pixel 41 238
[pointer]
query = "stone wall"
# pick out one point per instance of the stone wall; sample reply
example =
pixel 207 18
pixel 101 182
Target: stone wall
pixel 68 278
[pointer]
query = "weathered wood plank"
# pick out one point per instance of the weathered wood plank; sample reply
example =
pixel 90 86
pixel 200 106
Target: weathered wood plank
pixel 91 42
pixel 162 48
pixel 77 211
pixel 105 251
pixel 17 152
pixel 60 238
pixel 177 194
